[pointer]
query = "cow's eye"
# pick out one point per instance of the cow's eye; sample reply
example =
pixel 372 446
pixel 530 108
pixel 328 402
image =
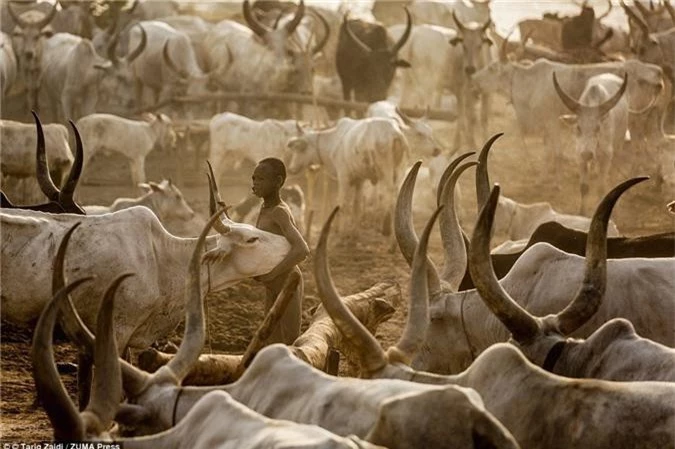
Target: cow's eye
pixel 252 240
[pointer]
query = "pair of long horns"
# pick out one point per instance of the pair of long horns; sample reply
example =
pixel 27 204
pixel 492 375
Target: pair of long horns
pixel 366 48
pixel 112 48
pixel 461 27
pixel 576 107
pixel 60 201
pixel 523 325
pixel 36 25
pixel 261 29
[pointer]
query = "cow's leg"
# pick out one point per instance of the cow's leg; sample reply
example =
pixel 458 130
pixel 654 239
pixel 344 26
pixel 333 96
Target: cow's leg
pixel 459 124
pixel 584 187
pixel 470 114
pixel 485 105
pixel 137 170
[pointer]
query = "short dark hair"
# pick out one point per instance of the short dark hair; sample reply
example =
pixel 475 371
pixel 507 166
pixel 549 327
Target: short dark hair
pixel 277 165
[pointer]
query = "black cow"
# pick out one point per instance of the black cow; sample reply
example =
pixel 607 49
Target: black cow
pixel 366 60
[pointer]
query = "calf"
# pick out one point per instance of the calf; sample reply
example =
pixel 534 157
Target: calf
pixel 133 139
pixel 164 199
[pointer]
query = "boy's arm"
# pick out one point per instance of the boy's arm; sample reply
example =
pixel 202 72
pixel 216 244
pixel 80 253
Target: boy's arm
pixel 299 249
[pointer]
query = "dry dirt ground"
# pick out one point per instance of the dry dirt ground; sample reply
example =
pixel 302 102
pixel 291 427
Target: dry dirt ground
pixel 357 264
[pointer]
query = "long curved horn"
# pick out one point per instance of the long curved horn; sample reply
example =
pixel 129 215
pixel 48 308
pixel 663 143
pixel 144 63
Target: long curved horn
pixel 447 172
pixel 68 190
pixel 371 355
pixel 482 173
pixel 406 34
pixel 71 327
pixel 107 389
pixel 216 200
pixel 404 229
pixel 458 23
pixel 16 17
pixel 569 102
pixel 169 62
pixel 350 33
pixel 605 107
pixel 299 14
pixel 194 336
pixel 644 11
pixel 256 26
pixel 44 179
pixel 638 20
pixel 140 47
pixel 608 35
pixel 414 332
pixel 111 50
pixel 606 13
pixel 454 264
pixel 670 9
pixel 589 296
pixel 319 46
pixel 517 320
pixel 61 411
pixel 503 56
pixel 651 103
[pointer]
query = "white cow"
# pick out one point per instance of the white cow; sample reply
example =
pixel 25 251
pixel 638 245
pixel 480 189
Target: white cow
pixel 352 152
pixel 600 121
pixel 235 139
pixel 131 240
pixel 133 139
pixel 543 280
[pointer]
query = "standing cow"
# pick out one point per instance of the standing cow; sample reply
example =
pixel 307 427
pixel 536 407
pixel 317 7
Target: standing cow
pixel 133 139
pixel 600 118
pixel 366 60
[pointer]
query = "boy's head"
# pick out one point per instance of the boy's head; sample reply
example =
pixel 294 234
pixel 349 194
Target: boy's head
pixel 268 176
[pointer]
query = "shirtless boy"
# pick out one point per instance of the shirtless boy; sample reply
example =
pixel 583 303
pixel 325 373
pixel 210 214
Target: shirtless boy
pixel 275 216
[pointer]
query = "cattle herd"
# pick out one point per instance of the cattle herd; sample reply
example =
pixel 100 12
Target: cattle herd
pixel 541 328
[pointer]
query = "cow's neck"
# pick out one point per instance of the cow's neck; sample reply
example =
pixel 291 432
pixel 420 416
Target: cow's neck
pixel 176 260
pixel 481 327
pixel 325 144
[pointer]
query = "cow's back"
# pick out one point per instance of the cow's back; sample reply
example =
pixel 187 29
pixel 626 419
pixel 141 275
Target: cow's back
pixel 19 141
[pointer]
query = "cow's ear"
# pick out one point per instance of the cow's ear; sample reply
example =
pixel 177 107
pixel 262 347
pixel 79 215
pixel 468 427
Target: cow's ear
pixel 402 63
pixel 487 41
pixel 455 40
pixel 47 32
pixel 103 65
pixel 145 186
pixel 569 119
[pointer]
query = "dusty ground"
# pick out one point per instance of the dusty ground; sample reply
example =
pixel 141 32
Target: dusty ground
pixel 233 315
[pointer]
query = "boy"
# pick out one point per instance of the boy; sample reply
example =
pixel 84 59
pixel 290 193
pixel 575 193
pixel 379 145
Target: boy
pixel 275 216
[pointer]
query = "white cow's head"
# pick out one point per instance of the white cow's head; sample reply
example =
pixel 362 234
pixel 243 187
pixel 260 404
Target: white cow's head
pixel 32 27
pixel 303 151
pixel 116 88
pixel 589 119
pixel 168 201
pixel 163 127
pixel 472 37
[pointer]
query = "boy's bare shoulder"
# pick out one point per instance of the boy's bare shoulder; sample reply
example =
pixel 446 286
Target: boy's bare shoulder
pixel 281 211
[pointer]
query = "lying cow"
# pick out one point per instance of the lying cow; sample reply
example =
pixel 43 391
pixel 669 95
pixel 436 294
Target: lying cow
pixel 164 199
pixel 613 352
pixel 543 279
pixel 532 403
pixel 133 139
